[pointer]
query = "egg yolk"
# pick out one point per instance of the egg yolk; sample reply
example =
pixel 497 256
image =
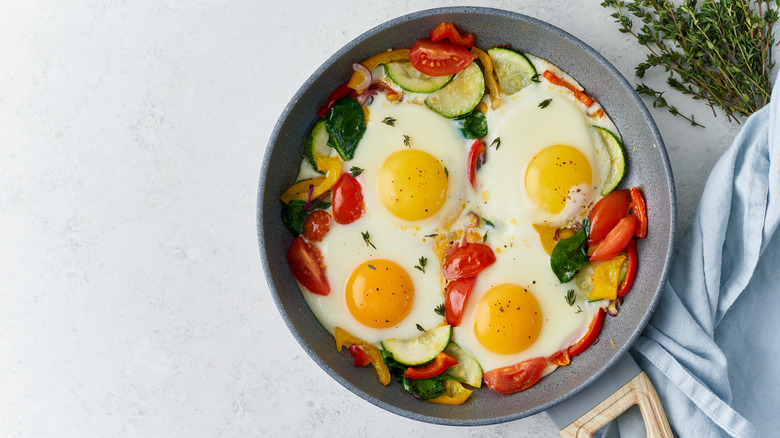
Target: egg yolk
pixel 412 184
pixel 508 319
pixel 379 293
pixel 553 173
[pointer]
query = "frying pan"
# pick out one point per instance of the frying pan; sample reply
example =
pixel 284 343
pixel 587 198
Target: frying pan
pixel 648 167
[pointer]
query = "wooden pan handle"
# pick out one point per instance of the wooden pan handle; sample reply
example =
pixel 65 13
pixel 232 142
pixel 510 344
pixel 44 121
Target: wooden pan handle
pixel 639 391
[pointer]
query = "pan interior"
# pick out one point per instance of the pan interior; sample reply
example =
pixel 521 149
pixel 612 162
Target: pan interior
pixel 648 167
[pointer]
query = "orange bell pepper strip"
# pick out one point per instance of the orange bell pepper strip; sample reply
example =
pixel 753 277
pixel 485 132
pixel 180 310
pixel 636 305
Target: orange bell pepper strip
pixel 439 364
pixel 374 62
pixel 490 79
pixel 343 337
pixel 320 185
pixel 582 97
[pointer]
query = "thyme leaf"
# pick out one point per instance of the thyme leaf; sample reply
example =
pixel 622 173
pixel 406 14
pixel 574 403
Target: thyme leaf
pixel 367 239
pixel 421 266
pixel 389 121
pixel 440 310
pixel 570 297
pixel 545 103
pixel 355 171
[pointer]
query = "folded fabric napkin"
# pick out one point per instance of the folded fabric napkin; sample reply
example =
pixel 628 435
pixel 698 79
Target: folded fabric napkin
pixel 712 348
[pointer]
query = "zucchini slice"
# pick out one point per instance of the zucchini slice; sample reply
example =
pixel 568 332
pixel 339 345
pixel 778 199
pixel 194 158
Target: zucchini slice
pixel 513 69
pixel 410 79
pixel 421 349
pixel 617 158
pixel 317 142
pixel 461 95
pixel 467 369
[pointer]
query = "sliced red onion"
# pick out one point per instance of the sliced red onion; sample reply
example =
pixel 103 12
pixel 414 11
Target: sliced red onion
pixel 366 97
pixel 367 78
pixel 308 196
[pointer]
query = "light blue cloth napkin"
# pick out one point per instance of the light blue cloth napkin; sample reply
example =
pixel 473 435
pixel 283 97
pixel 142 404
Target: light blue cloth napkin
pixel 712 348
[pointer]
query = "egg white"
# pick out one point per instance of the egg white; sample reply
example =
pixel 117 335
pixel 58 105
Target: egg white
pixel 428 132
pixel 344 249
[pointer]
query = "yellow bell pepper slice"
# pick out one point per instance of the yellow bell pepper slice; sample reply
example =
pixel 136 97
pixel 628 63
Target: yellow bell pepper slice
pixel 374 62
pixel 455 394
pixel 344 337
pixel 606 278
pixel 490 79
pixel 300 190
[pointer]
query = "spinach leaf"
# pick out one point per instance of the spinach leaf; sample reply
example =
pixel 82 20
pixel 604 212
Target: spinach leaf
pixel 423 389
pixel 569 255
pixel 346 124
pixel 474 124
pixel 294 213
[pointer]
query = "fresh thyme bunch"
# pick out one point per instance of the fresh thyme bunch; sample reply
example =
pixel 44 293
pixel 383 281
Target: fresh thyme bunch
pixel 720 52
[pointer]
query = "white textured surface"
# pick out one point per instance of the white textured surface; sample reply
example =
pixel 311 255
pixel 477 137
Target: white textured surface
pixel 131 135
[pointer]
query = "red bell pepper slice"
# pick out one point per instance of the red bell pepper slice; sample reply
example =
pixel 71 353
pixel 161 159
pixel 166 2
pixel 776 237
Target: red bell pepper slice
pixel 517 377
pixel 361 358
pixel 448 30
pixel 467 261
pixel 640 212
pixel 590 336
pixel 631 265
pixel 439 364
pixel 476 159
pixel 456 295
pixel 616 240
pixel 339 93
pixel 582 97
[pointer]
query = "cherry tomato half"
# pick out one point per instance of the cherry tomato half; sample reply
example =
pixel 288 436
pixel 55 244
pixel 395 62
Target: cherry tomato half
pixel 593 333
pixel 305 267
pixel 447 30
pixel 607 213
pixel 616 240
pixel 468 261
pixel 316 225
pixel 347 199
pixel 439 58
pixel 640 212
pixel 517 377
pixel 456 295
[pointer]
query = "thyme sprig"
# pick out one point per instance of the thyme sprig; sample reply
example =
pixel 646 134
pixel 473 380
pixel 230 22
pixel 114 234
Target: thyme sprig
pixel 716 51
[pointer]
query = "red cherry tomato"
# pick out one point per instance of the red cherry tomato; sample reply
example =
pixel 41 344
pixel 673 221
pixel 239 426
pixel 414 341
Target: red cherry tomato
pixel 476 158
pixel 361 358
pixel 316 225
pixel 468 261
pixel 632 261
pixel 347 199
pixel 607 213
pixel 590 336
pixel 456 295
pixel 439 58
pixel 616 240
pixel 439 364
pixel 447 30
pixel 517 377
pixel 305 266
pixel 640 212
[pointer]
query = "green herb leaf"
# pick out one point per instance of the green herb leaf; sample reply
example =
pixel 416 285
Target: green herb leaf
pixel 346 124
pixel 420 328
pixel 570 298
pixel 355 171
pixel 568 256
pixel 579 309
pixel 440 310
pixel 496 142
pixel 484 237
pixel 389 121
pixel 487 222
pixel 407 141
pixel 421 266
pixel 432 235
pixel 474 124
pixel 535 78
pixel 372 267
pixel 446 173
pixel 367 239
pixel 545 103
